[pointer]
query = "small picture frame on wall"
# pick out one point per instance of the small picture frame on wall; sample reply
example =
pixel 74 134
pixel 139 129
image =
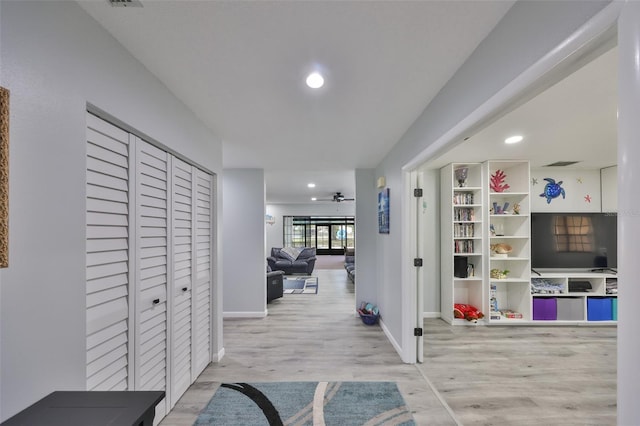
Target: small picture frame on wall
pixel 383 211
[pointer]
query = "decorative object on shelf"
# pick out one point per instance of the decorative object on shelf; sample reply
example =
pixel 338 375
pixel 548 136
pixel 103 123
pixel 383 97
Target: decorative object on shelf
pixel 270 220
pixel 499 274
pixel 552 190
pixel 516 208
pixel 587 198
pixel 461 176
pixel 500 249
pixel 383 211
pixel 500 209
pixel 496 183
pixel 468 312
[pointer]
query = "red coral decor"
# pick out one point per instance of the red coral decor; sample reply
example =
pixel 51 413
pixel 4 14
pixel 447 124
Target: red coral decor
pixel 496 182
pixel 468 312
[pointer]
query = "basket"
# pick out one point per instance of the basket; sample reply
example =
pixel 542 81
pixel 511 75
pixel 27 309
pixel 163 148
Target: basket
pixel 369 319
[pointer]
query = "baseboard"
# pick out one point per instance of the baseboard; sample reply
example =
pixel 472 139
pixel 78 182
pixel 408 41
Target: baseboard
pixel 218 357
pixel 244 314
pixel 387 333
pixel 431 315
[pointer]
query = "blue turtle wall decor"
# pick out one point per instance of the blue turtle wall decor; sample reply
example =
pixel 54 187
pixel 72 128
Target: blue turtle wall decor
pixel 552 190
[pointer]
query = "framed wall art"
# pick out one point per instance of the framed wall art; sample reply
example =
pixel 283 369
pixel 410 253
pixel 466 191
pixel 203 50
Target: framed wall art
pixel 4 177
pixel 383 211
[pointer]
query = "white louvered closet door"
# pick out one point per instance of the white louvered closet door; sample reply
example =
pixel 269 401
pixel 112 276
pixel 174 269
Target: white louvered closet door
pixel 152 271
pixel 182 218
pixel 107 273
pixel 201 346
pixel 149 266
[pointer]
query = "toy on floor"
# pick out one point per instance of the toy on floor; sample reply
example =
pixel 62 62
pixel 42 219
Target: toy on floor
pixel 468 312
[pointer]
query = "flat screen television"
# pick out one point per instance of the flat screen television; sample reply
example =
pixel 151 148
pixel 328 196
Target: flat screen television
pixel 574 240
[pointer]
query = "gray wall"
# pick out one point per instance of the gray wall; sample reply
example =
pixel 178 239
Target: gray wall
pixel 245 292
pixel 56 59
pixel 366 235
pixel 528 31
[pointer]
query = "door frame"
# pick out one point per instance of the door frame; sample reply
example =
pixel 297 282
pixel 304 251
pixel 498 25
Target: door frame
pixel 588 41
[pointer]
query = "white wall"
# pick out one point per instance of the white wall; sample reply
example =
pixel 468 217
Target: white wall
pixel 56 59
pixel 527 32
pixel 245 291
pixel 275 237
pixel 366 235
pixel 609 183
pixel 581 187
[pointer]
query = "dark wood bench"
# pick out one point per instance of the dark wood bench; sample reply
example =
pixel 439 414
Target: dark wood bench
pixel 95 408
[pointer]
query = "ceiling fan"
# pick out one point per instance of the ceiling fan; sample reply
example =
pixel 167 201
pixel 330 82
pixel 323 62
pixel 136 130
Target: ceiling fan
pixel 337 197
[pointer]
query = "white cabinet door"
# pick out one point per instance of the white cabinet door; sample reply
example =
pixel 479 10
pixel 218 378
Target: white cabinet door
pixel 107 273
pixel 152 236
pixel 182 226
pixel 201 347
pixel 149 266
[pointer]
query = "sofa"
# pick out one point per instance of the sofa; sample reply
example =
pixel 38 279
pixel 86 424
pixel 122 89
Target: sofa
pixel 350 263
pixel 292 260
pixel 275 287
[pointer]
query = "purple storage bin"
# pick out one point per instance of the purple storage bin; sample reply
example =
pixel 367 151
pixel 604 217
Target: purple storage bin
pixel 545 308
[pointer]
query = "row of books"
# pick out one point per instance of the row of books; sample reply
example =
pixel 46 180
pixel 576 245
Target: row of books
pixel 506 313
pixel 463 229
pixel 463 214
pixel 465 198
pixel 463 246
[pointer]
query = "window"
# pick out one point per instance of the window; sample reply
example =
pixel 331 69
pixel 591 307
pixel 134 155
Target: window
pixel 329 235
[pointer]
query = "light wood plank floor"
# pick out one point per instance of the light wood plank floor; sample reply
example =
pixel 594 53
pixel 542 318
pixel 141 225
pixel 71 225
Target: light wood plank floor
pixel 487 375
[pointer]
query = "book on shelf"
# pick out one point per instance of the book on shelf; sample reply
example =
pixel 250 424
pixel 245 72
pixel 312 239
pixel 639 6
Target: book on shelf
pixel 464 215
pixel 463 230
pixel 508 313
pixel 463 198
pixel 463 246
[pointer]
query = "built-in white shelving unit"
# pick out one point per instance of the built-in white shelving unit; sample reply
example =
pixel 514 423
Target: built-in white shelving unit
pixel 486 255
pixel 561 298
pixel 462 238
pixel 508 228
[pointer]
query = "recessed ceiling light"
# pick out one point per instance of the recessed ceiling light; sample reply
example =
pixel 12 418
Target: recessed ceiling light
pixel 314 199
pixel 311 185
pixel 513 139
pixel 315 80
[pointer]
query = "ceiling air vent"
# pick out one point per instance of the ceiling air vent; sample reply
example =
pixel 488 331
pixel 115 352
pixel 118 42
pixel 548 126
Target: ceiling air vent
pixel 561 163
pixel 125 3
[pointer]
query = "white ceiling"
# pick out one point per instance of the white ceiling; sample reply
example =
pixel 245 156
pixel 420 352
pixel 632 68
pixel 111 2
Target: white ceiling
pixel 574 120
pixel 240 67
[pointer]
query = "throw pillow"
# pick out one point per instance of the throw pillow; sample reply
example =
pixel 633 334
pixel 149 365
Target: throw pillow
pixel 290 253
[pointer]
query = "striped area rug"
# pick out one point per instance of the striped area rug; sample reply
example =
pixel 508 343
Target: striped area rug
pixel 307 404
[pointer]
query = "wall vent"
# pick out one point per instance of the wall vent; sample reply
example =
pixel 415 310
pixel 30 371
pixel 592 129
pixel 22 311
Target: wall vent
pixel 125 3
pixel 561 164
